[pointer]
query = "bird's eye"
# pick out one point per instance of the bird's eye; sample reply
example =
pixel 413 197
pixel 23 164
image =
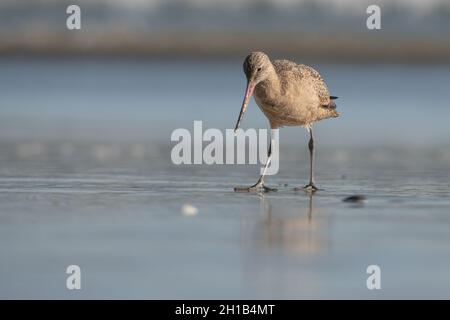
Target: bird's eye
pixel 259 69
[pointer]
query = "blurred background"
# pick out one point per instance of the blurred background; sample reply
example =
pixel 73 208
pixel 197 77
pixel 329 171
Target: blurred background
pixel 85 172
pixel 333 30
pixel 148 67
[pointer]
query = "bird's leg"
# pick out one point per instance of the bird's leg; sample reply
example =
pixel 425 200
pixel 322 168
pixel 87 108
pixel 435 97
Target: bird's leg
pixel 311 185
pixel 259 185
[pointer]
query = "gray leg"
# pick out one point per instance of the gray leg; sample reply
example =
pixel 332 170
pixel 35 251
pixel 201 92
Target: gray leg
pixel 311 185
pixel 259 185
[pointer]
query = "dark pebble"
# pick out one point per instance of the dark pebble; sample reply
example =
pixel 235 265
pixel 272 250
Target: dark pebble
pixel 355 199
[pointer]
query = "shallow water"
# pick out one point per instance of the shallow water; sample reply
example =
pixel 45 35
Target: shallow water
pixel 86 179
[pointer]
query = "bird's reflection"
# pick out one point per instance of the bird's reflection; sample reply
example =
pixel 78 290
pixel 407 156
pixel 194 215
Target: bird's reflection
pixel 288 225
pixel 279 246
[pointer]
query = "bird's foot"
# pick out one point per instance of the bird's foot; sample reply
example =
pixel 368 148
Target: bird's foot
pixel 259 187
pixel 310 187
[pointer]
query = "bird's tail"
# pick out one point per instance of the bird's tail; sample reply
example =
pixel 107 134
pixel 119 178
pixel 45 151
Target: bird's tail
pixel 333 111
pixel 332 107
pixel 331 104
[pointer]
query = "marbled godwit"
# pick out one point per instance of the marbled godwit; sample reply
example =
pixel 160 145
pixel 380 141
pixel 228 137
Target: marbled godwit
pixel 289 94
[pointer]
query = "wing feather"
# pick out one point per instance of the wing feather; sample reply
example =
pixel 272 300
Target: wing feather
pixel 304 72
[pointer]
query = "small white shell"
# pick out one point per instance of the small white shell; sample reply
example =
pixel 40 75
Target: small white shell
pixel 189 210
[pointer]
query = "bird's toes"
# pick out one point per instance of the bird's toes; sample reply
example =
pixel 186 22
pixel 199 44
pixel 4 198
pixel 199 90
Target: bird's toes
pixel 259 188
pixel 267 189
pixel 308 188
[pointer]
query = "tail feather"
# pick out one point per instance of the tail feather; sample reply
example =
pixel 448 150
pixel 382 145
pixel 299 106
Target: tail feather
pixel 331 107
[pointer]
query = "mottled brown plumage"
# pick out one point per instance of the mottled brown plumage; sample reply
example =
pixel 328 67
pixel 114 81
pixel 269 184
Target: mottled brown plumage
pixel 289 94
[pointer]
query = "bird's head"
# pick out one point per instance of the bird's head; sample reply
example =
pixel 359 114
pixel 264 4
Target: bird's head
pixel 257 68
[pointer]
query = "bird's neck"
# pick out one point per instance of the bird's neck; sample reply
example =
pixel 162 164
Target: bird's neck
pixel 270 88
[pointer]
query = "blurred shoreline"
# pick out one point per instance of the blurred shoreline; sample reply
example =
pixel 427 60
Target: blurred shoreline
pixel 227 45
pixel 335 30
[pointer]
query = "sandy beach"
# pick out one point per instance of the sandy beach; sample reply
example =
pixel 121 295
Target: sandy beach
pixel 86 179
pixel 126 229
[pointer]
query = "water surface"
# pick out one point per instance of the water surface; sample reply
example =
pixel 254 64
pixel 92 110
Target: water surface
pixel 86 179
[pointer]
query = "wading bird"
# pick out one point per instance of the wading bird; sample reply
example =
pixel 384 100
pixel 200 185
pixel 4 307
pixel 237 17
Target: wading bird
pixel 289 94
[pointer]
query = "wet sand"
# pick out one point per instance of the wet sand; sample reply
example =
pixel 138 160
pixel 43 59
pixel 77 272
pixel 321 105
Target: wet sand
pixel 122 223
pixel 86 179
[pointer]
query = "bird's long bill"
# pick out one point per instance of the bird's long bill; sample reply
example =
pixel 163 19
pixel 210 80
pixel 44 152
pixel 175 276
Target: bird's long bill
pixel 248 94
